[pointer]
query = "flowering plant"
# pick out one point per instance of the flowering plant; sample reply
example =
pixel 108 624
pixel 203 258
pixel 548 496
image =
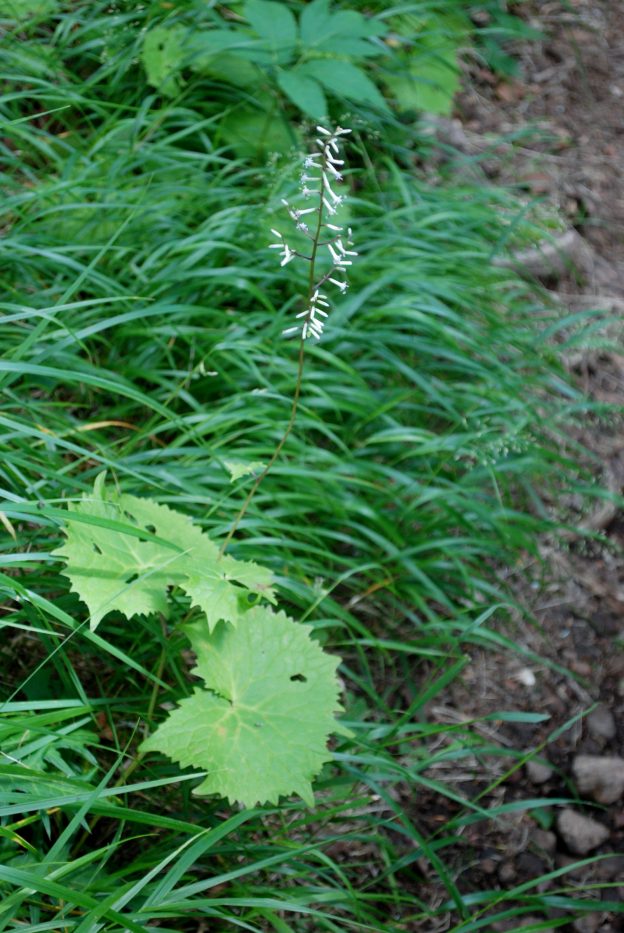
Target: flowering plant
pixel 258 726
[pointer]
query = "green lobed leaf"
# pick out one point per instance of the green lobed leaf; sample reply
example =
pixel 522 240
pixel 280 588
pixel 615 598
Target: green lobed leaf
pixel 111 570
pixel 239 468
pixel 305 92
pixel 260 729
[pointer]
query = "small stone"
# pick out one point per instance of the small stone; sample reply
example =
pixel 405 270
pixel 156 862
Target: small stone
pixel 580 833
pixel 610 869
pixel 587 924
pixel 530 865
pixel 507 872
pixel 538 772
pixel 544 841
pixel 600 776
pixel 601 724
pixel 525 676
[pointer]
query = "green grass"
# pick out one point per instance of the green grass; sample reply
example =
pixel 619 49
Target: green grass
pixel 141 334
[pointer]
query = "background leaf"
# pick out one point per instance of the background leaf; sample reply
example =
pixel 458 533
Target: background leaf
pixel 304 92
pixel 344 79
pixel 345 32
pixel 274 23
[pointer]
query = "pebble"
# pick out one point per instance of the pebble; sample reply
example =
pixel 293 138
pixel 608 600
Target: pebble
pixel 530 865
pixel 580 833
pixel 601 724
pixel 538 772
pixel 610 869
pixel 587 924
pixel 602 777
pixel 507 872
pixel 544 841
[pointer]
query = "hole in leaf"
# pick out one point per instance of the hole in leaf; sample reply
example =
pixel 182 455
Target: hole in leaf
pixel 98 550
pixel 151 529
pixel 132 578
pixel 300 678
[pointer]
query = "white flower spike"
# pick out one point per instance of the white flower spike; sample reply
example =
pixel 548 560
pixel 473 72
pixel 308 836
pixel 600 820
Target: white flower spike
pixel 321 170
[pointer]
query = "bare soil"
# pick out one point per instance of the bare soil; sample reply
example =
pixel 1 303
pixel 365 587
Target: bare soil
pixel 569 97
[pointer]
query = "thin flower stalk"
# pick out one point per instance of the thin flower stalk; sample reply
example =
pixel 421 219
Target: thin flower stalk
pixel 322 173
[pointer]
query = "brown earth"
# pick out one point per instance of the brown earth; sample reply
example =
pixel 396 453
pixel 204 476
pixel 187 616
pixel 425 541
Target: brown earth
pixel 568 101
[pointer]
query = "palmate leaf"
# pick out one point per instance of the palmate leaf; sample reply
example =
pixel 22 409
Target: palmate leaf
pixel 260 728
pixel 140 549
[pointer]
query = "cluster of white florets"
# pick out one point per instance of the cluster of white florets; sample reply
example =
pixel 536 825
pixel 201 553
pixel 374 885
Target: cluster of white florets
pixel 322 171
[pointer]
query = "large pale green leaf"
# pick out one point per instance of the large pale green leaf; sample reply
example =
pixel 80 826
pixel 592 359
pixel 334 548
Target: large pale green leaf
pixel 162 56
pixel 260 729
pixel 139 549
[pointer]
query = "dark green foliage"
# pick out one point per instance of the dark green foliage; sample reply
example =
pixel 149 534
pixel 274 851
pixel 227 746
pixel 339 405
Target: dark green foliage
pixel 141 333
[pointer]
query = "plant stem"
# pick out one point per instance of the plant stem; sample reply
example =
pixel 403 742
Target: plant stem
pixel 298 384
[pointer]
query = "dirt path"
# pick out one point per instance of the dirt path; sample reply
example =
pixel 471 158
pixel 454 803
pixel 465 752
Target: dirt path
pixel 572 88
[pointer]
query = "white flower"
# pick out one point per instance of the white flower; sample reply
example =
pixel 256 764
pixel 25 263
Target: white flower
pixel 343 251
pixel 301 213
pixel 326 166
pixel 288 255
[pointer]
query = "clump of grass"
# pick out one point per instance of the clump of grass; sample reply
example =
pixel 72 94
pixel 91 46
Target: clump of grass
pixel 142 329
